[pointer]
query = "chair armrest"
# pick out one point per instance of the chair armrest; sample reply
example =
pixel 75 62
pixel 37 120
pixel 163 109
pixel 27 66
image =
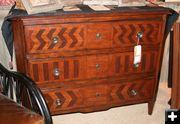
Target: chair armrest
pixel 13 113
pixel 24 91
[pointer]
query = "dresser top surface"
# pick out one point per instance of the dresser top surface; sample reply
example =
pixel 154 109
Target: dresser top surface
pixel 84 9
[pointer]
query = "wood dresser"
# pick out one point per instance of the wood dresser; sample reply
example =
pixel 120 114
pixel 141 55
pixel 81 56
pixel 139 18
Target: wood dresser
pixel 83 61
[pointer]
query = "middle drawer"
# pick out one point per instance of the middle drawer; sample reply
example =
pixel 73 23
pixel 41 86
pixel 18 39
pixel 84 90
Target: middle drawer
pixel 73 99
pixel 91 66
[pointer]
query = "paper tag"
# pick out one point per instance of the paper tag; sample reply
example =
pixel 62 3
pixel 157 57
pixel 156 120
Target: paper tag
pixel 137 54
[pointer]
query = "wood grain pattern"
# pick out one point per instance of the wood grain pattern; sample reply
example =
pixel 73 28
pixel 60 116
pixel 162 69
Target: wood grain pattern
pixel 40 38
pixel 98 95
pixel 175 95
pixel 83 62
pixel 125 33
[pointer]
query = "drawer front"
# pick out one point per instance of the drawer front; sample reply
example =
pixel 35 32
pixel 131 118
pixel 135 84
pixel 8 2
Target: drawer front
pixel 125 33
pixel 123 63
pixel 54 38
pixel 55 70
pixel 63 99
pixel 92 66
pixel 99 35
pixel 132 91
pixel 75 99
pixel 98 66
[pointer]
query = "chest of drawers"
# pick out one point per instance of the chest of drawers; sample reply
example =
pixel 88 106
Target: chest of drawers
pixel 83 61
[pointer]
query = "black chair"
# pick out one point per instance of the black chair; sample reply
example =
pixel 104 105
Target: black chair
pixel 24 91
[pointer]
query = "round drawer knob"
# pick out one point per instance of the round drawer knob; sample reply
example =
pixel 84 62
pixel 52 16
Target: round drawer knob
pixel 139 35
pixel 55 40
pixel 133 92
pixel 98 66
pixel 58 102
pixel 98 95
pixel 56 72
pixel 98 36
pixel 136 65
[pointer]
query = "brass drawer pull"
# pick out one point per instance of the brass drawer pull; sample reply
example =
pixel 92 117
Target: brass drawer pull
pixel 58 102
pixel 98 66
pixel 56 72
pixel 133 92
pixel 55 40
pixel 98 36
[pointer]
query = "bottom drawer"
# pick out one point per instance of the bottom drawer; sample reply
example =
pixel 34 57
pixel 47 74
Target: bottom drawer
pixel 98 97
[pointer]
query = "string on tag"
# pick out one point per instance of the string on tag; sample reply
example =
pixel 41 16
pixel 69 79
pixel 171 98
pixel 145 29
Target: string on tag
pixel 138 41
pixel 139 36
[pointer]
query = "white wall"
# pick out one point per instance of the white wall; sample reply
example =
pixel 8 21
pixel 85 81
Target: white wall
pixel 165 63
pixel 4 54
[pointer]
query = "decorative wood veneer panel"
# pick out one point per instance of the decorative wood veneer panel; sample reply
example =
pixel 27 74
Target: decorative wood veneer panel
pixel 39 39
pixel 57 69
pixel 124 92
pixel 125 33
pixel 122 63
pixel 107 94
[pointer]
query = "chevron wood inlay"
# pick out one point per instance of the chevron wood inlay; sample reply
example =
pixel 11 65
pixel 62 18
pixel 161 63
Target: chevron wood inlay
pixel 87 96
pixel 118 92
pixel 74 39
pixel 126 34
pixel 69 37
pixel 121 92
pixel 49 101
pixel 62 38
pixel 50 36
pixel 60 97
pixel 73 98
pixel 40 39
pixel 67 99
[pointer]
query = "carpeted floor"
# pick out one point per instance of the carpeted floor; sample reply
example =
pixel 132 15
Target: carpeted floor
pixel 134 114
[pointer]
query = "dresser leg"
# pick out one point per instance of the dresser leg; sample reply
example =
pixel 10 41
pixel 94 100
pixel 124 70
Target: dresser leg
pixel 150 107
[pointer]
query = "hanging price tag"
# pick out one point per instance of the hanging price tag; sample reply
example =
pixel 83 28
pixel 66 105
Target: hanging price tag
pixel 137 54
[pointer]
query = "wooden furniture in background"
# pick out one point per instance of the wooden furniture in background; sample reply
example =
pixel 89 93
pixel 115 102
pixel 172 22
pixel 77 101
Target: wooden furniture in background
pixel 12 113
pixel 21 101
pixel 175 92
pixel 83 61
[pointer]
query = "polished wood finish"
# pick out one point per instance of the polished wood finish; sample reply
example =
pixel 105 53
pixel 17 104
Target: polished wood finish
pixel 83 62
pixel 175 92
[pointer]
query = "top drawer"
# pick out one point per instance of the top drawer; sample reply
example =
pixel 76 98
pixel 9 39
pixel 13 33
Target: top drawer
pixel 53 38
pixel 95 35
